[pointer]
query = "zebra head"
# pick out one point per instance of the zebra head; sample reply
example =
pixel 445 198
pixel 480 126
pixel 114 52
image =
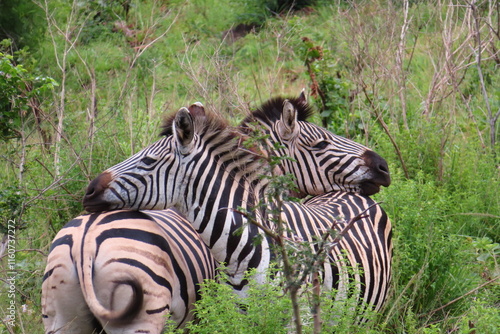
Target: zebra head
pixel 157 177
pixel 321 161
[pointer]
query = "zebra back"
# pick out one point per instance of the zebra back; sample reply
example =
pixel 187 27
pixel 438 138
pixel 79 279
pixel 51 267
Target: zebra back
pixel 362 256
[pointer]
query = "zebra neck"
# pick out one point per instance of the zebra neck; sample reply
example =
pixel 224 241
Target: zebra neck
pixel 219 205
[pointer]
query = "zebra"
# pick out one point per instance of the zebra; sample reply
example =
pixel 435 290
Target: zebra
pixel 320 161
pixel 124 272
pixel 201 168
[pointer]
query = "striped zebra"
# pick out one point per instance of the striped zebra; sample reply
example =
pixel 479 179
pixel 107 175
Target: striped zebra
pixel 201 168
pixel 269 113
pixel 124 272
pixel 322 161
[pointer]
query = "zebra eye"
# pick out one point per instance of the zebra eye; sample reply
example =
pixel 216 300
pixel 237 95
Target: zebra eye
pixel 148 161
pixel 321 145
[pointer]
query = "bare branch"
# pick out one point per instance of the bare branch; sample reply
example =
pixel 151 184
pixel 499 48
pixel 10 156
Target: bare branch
pixel 401 77
pixel 251 220
pixel 324 238
pixel 145 46
pixel 478 51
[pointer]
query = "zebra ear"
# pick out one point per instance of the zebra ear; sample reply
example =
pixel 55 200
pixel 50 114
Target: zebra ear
pixel 302 97
pixel 184 127
pixel 288 120
pixel 197 109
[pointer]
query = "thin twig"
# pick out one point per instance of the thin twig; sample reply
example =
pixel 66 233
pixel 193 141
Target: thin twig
pixel 26 250
pixel 316 304
pixel 386 129
pixel 251 220
pixel 488 215
pixel 395 303
pixel 52 176
pixel 321 249
pixel 142 48
pixel 400 51
pixel 459 298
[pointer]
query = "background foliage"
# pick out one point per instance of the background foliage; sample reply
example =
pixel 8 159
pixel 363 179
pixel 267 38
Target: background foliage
pixel 415 80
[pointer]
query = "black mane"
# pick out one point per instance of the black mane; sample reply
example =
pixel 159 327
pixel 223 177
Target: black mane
pixel 270 111
pixel 166 127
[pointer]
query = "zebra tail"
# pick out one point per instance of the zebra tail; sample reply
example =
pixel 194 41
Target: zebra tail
pixel 112 296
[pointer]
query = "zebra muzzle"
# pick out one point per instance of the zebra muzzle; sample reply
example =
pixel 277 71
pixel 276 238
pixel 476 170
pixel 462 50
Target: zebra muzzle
pixel 380 175
pixel 93 200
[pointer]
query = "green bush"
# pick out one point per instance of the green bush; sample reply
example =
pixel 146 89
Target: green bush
pixel 267 309
pixel 18 86
pixel 11 208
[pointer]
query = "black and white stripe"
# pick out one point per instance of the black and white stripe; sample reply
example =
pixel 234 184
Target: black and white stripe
pixel 125 272
pixel 322 161
pixel 203 170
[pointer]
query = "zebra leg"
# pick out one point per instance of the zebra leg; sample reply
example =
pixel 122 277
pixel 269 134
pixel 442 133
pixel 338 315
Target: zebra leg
pixel 63 307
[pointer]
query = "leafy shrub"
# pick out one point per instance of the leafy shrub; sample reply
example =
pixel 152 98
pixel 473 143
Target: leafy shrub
pixel 480 318
pixel 268 310
pixel 18 87
pixel 11 207
pixel 420 210
pixel 330 90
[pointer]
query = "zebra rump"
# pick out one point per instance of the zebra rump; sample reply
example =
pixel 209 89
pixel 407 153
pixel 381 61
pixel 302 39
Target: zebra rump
pixel 124 272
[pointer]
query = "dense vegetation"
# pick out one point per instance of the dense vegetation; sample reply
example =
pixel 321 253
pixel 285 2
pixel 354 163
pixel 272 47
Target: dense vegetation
pixel 418 81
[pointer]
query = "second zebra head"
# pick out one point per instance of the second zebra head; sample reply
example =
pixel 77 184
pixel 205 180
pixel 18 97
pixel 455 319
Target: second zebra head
pixel 320 160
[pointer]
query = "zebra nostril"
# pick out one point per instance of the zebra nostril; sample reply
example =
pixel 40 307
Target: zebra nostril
pixel 94 201
pixel 93 189
pixel 379 167
pixel 90 191
pixel 384 168
pixel 97 186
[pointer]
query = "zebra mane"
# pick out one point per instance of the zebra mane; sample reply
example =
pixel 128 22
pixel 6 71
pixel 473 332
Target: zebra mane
pixel 166 126
pixel 226 138
pixel 270 111
pixel 209 125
